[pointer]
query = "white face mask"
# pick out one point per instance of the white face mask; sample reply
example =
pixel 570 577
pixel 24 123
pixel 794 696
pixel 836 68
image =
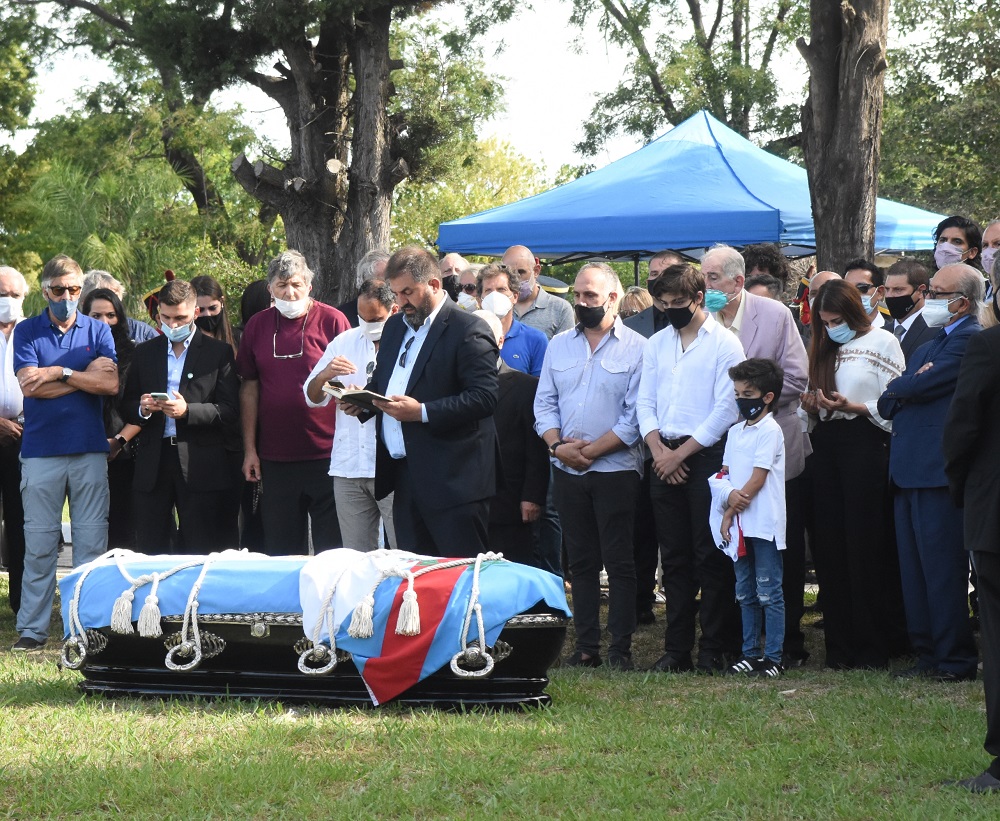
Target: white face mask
pixel 291 310
pixel 372 330
pixel 10 308
pixel 947 254
pixel 936 313
pixel 497 304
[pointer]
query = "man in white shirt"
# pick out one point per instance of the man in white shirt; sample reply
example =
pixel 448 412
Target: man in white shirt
pixel 350 359
pixel 685 407
pixel 12 290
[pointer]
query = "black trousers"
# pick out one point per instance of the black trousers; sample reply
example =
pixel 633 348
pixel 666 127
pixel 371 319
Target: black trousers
pixel 456 531
pixel 692 562
pixel 295 493
pixel 121 522
pixel 204 522
pixel 646 548
pixel 597 511
pixel 988 569
pixel 13 518
pixel 850 473
pixel 517 542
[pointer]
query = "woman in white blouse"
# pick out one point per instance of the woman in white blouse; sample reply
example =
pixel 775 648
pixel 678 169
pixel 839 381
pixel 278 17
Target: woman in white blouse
pixel 850 364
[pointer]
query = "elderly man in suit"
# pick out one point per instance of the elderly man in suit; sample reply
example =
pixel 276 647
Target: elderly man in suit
pixel 766 330
pixel 181 460
pixel 932 559
pixel 906 284
pixel 971 446
pixel 437 444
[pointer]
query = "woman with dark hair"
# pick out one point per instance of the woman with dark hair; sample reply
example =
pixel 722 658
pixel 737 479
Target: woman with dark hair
pixel 212 317
pixel 104 305
pixel 850 364
pixel 256 298
pixel 958 239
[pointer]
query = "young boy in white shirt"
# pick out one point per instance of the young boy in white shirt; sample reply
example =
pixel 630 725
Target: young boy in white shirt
pixel 749 492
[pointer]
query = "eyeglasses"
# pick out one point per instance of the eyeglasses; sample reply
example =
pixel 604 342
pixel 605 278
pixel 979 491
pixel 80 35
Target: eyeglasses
pixel 864 287
pixel 469 288
pixel 59 290
pixel 302 341
pixel 406 350
pixel 941 294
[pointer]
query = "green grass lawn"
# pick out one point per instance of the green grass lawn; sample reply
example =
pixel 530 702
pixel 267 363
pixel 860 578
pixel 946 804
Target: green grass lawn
pixel 813 744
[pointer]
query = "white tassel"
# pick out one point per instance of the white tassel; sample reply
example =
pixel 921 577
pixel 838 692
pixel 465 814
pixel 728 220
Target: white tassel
pixel 149 618
pixel 121 614
pixel 362 624
pixel 408 623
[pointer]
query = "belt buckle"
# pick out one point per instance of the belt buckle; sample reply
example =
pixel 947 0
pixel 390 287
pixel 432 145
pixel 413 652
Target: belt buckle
pixel 173 440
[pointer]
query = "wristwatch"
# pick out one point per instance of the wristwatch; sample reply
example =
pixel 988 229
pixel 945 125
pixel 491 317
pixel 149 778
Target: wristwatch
pixel 554 445
pixel 66 374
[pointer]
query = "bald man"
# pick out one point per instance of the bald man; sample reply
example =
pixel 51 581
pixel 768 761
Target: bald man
pixel 453 265
pixel 535 306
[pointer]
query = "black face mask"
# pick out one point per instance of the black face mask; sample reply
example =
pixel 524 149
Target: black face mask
pixel 590 317
pixel 209 323
pixel 751 408
pixel 680 317
pixel 899 306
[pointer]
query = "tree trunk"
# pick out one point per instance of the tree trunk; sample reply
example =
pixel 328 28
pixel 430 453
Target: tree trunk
pixel 842 124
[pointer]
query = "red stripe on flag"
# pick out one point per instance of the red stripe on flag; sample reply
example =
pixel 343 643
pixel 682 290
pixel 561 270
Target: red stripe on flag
pixel 402 658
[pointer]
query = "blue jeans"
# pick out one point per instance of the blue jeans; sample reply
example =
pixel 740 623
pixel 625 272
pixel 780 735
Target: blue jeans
pixel 45 484
pixel 758 590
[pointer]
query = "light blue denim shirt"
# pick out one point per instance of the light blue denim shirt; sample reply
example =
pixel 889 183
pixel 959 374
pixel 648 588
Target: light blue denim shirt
pixel 584 394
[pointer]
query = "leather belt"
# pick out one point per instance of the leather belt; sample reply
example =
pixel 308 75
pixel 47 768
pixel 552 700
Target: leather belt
pixel 170 440
pixel 675 443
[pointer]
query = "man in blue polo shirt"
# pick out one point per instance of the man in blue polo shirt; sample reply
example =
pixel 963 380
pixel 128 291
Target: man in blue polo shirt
pixel 65 363
pixel 524 347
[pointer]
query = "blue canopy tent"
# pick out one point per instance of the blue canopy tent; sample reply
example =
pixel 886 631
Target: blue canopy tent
pixel 698 184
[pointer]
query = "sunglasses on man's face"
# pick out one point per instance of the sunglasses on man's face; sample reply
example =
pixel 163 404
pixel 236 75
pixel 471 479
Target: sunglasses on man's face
pixel 469 288
pixel 59 290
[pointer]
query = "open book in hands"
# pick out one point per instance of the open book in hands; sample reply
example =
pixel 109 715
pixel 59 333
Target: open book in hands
pixel 354 396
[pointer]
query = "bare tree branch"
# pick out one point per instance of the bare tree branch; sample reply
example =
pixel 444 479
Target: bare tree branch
pixel 93 8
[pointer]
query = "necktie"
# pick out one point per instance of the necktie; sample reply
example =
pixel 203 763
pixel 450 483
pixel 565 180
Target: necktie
pixel 899 330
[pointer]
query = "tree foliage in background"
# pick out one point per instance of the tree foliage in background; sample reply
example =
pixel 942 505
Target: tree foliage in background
pixel 491 173
pixel 942 115
pixel 354 132
pixel 716 55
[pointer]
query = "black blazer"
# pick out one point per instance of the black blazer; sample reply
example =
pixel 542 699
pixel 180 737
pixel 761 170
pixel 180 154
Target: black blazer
pixel 642 322
pixel 972 441
pixel 525 457
pixel 918 334
pixel 455 377
pixel 211 388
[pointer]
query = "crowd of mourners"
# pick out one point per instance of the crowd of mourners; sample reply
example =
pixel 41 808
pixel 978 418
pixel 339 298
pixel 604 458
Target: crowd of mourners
pixel 693 441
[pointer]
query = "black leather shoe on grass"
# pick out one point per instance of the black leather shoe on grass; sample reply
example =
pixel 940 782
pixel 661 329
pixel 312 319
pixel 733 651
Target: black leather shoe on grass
pixel 26 644
pixel 982 783
pixel 621 662
pixel 669 663
pixel 577 660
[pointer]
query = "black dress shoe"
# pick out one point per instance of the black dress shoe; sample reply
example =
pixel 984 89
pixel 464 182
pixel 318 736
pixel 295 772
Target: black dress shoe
pixel 982 783
pixel 949 677
pixel 669 663
pixel 795 659
pixel 912 672
pixel 577 660
pixel 710 665
pixel 622 662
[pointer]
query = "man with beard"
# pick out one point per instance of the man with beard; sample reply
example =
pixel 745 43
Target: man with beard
pixel 437 445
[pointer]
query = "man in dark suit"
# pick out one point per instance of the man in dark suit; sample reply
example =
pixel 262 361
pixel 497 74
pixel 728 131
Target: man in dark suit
pixel 972 463
pixel 647 549
pixel 437 445
pixel 932 560
pixel 906 284
pixel 181 460
pixel 521 496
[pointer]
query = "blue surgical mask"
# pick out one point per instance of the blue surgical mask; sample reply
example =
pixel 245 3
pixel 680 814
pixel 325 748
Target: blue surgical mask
pixel 841 334
pixel 64 309
pixel 178 334
pixel 866 303
pixel 715 300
